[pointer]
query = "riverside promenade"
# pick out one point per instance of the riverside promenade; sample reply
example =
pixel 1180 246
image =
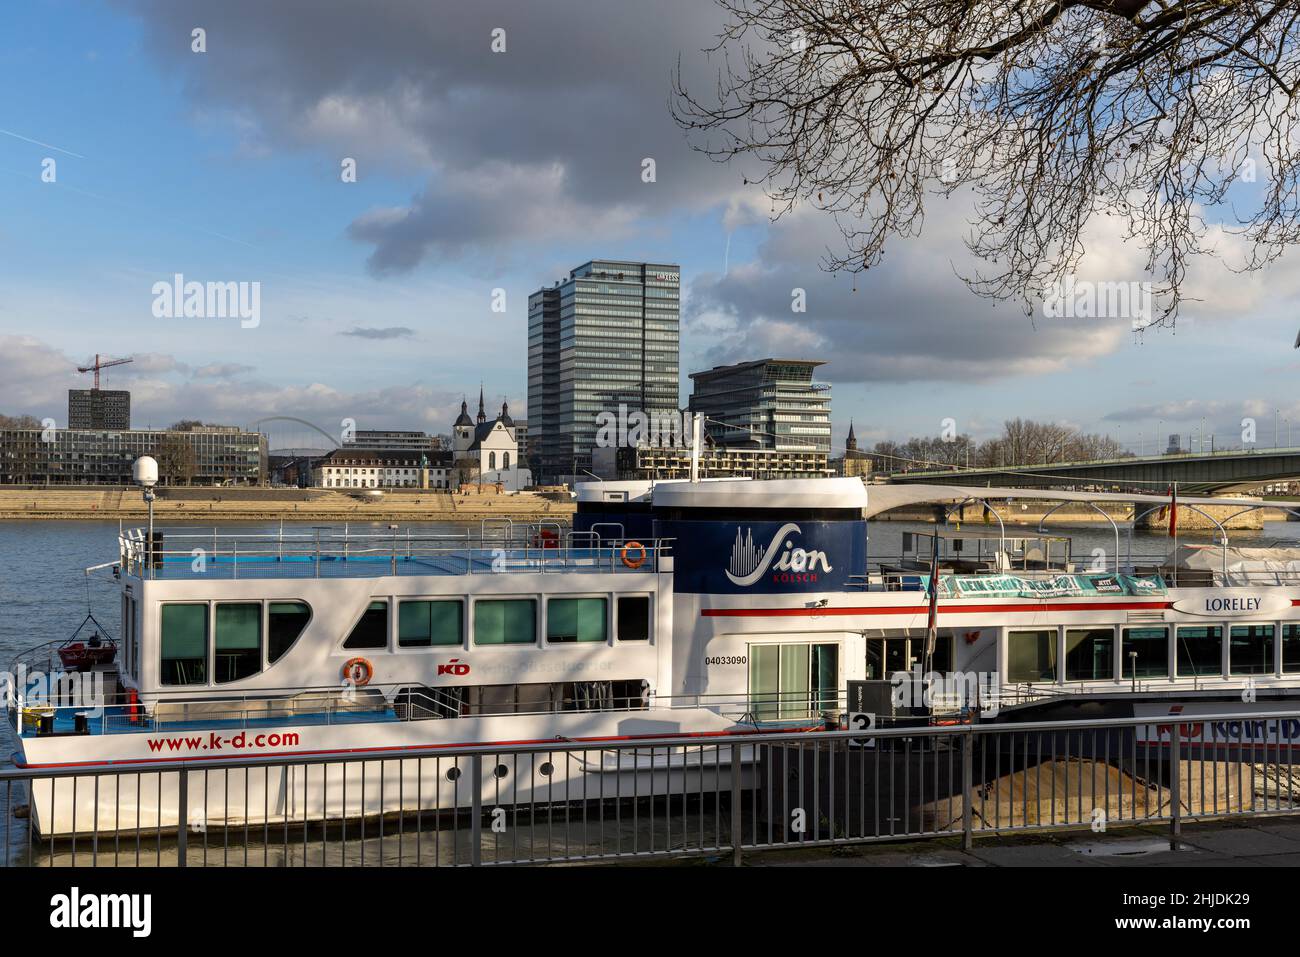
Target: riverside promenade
pixel 1265 842
pixel 206 505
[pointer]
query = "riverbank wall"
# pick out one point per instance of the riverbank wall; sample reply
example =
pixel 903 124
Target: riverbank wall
pixel 209 505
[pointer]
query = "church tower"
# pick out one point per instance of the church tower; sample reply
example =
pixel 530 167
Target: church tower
pixel 463 430
pixel 855 462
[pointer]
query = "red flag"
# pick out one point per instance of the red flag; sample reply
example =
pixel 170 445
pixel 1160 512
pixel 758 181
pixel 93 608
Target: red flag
pixel 1173 511
pixel 932 619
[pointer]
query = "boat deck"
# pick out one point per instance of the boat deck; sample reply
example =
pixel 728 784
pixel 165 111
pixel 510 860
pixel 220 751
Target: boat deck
pixel 474 561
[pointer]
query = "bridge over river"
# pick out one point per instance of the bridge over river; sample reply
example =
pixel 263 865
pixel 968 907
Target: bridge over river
pixel 1206 473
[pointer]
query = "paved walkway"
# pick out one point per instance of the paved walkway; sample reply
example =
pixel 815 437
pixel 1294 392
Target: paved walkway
pixel 1266 842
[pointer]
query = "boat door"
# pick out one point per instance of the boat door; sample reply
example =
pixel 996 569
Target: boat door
pixel 129 650
pixel 904 650
pixel 790 680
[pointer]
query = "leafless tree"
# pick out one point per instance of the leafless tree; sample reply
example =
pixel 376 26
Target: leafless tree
pixel 1050 113
pixel 1022 442
pixel 19 422
pixel 177 461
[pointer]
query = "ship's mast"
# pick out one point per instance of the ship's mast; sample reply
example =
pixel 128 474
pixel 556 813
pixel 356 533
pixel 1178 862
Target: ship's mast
pixel 697 426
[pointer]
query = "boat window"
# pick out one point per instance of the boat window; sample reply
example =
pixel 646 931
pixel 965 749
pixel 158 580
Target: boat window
pixel 887 657
pixel 1089 654
pixel 372 630
pixel 1200 650
pixel 511 621
pixel 1031 656
pixel 942 660
pixel 1250 650
pixel 423 624
pixel 1291 648
pixel 184 644
pixel 238 641
pixel 576 619
pixel 1145 650
pixel 634 618
pixel 285 621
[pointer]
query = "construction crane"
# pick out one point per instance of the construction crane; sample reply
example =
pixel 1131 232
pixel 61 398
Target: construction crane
pixel 103 362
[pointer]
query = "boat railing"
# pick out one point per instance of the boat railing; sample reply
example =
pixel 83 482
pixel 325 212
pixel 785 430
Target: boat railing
pixel 901 575
pixel 329 552
pixel 1028 692
pixel 905 574
pixel 119 712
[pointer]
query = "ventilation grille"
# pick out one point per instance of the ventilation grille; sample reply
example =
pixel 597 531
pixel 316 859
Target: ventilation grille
pixel 1146 616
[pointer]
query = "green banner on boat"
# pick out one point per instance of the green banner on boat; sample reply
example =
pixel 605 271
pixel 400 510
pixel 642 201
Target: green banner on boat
pixel 1058 586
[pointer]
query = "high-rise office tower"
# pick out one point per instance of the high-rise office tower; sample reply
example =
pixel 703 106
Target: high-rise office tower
pixel 99 409
pixel 765 404
pixel 607 336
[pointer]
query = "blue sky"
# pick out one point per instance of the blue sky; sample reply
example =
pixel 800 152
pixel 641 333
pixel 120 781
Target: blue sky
pixel 479 171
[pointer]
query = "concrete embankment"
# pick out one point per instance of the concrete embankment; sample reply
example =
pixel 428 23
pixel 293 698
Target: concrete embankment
pixel 209 505
pixel 1032 513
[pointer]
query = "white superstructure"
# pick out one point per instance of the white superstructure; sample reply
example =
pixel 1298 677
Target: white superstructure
pixel 671 609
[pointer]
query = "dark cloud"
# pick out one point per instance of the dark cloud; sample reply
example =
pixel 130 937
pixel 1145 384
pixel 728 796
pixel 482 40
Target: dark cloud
pixel 374 332
pixel 912 320
pixel 544 140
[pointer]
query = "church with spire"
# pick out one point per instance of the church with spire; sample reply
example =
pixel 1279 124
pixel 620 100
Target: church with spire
pixel 855 462
pixel 491 444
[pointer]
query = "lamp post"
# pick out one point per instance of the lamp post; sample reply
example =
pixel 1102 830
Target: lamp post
pixel 145 473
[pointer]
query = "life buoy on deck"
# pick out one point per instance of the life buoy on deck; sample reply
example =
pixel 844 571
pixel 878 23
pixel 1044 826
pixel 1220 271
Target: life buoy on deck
pixel 634 562
pixel 358 672
pixel 133 705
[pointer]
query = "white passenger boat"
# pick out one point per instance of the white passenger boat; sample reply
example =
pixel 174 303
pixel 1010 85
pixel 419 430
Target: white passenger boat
pixel 677 610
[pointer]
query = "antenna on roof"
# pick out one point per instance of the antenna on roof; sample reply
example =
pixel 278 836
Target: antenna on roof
pixel 697 425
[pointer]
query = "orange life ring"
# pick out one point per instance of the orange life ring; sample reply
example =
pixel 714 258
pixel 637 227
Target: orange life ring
pixel 133 705
pixel 358 672
pixel 640 559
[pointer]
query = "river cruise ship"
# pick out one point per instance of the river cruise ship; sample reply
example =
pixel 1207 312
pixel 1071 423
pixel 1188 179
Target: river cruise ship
pixel 677 609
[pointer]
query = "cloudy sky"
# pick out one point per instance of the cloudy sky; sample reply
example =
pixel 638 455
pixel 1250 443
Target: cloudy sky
pixel 479 170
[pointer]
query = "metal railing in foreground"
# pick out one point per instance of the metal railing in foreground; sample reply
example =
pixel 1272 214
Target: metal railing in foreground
pixel 673 796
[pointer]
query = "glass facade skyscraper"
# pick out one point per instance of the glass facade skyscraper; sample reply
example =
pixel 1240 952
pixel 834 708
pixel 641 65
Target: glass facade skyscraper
pixel 766 404
pixel 609 335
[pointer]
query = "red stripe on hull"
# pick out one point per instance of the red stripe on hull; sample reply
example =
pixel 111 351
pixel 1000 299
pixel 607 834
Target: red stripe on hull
pixel 948 610
pixel 289 756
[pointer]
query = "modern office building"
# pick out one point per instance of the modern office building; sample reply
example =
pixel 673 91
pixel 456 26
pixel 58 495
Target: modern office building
pixel 392 440
pixel 524 441
pixel 606 336
pixel 765 404
pixel 99 409
pixel 205 455
pixel 658 462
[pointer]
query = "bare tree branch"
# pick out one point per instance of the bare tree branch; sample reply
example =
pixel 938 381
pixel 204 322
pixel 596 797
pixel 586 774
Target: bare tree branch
pixel 1051 113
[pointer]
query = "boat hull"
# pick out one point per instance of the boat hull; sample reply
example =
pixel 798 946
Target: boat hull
pixel 309 777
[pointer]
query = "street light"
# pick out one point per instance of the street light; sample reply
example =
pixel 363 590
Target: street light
pixel 145 473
